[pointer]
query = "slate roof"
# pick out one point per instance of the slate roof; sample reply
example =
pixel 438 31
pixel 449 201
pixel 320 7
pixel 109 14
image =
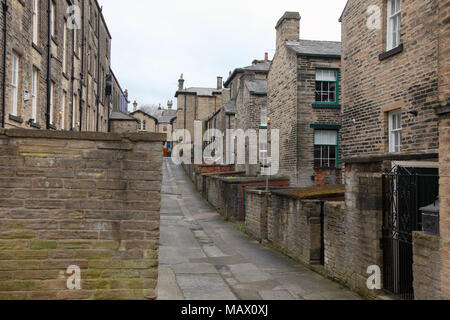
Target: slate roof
pixel 260 67
pixel 118 115
pixel 316 48
pixel 257 86
pixel 229 107
pixel 167 115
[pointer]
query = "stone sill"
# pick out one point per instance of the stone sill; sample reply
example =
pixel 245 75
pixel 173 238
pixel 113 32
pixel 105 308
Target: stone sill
pixel 326 106
pixel 391 52
pixel 90 136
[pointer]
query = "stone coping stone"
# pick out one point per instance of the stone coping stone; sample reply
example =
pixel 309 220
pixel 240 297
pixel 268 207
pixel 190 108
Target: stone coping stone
pixel 419 235
pixel 312 193
pixel 90 136
pixel 262 190
pixel 242 180
pixel 219 175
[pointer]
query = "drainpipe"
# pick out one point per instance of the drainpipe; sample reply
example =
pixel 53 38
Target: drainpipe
pixel 49 63
pixel 72 81
pixel 83 39
pixel 5 34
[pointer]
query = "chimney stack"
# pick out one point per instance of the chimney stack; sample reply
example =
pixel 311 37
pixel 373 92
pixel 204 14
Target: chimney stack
pixel 181 83
pixel 160 111
pixel 266 56
pixel 135 105
pixel 288 28
pixel 219 83
pixel 170 104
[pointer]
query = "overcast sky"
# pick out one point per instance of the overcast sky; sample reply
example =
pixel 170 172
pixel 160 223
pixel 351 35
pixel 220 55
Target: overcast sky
pixel 155 41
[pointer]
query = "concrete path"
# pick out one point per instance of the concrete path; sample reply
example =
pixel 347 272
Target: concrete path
pixel 202 257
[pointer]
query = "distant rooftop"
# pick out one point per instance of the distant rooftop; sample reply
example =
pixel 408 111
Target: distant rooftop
pixel 205 92
pixel 261 66
pixel 229 107
pixel 316 48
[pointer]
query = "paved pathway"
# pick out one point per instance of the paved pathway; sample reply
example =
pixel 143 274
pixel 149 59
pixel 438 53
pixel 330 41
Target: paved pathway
pixel 202 257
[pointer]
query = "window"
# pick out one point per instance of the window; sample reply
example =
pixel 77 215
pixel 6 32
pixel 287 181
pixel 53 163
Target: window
pixel 34 93
pixel 35 21
pixel 52 103
pixel 165 128
pixel 53 20
pixel 326 149
pixel 144 125
pixel 15 84
pixel 63 111
pixel 65 47
pixel 326 86
pixel 74 111
pixel 393 24
pixel 395 131
pixel 263 116
pixel 139 124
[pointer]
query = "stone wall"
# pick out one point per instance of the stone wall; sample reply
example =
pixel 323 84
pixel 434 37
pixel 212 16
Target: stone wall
pixel 85 199
pixel 258 204
pixel 363 224
pixel 444 173
pixel 427 267
pixel 335 241
pixel 67 81
pixel 293 226
pixel 372 87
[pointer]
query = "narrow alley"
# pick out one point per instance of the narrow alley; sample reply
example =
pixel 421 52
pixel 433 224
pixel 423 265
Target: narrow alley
pixel 203 257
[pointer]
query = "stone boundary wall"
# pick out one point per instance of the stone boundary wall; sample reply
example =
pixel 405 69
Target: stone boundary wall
pixel 427 266
pixel 293 227
pixel 85 199
pixel 258 204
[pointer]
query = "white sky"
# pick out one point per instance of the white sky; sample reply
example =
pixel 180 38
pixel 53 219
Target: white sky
pixel 155 41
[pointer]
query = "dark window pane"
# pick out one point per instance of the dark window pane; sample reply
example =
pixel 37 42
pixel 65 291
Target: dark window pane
pixel 332 86
pixel 318 86
pixel 332 97
pixel 332 163
pixel 325 97
pixel 317 152
pixel 318 99
pixel 333 152
pixel 325 86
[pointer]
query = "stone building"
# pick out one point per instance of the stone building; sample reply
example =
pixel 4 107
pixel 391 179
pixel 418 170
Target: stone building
pixel 304 104
pixel 391 62
pixel 56 67
pixel 160 122
pixel 119 119
pixel 248 96
pixel 223 119
pixel 196 104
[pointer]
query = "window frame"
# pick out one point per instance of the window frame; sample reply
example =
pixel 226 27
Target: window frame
pixel 53 26
pixel 52 104
pixel 35 22
pixel 336 159
pixel 390 17
pixel 392 132
pixel 15 84
pixel 336 93
pixel 65 45
pixel 34 93
pixel 63 110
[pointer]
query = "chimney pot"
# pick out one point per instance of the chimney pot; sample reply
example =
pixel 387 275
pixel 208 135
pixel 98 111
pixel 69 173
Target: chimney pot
pixel 181 83
pixel 266 56
pixel 219 83
pixel 135 105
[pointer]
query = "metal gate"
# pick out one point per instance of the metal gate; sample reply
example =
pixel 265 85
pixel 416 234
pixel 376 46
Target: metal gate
pixel 405 190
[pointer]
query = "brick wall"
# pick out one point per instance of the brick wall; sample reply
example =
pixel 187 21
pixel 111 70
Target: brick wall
pixel 84 199
pixel 427 267
pixel 372 88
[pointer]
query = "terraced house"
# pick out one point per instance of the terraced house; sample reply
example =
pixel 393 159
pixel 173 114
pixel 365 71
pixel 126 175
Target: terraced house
pixel 304 104
pixel 55 60
pixel 394 57
pixel 248 96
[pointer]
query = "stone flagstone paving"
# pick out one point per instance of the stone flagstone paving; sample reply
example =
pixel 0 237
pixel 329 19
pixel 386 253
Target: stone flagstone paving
pixel 203 257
